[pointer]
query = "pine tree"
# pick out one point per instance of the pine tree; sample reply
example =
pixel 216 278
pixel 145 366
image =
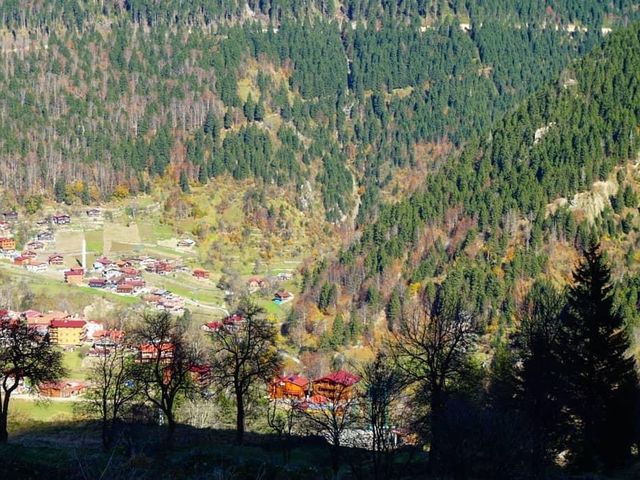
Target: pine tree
pixel 184 182
pixel 599 378
pixel 85 195
pixel 228 119
pixel 60 190
pixel 249 109
pixel 539 384
pixel 338 332
pixel 393 309
pixel 258 114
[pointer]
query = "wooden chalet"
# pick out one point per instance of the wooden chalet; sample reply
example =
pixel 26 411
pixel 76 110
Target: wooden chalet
pixel 148 352
pixel 62 389
pixel 337 386
pixel 289 387
pixel 10 216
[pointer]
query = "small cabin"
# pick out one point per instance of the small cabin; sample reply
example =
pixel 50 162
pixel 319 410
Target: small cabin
pixel 282 296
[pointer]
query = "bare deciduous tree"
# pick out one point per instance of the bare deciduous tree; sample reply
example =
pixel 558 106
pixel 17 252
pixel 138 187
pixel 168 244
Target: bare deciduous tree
pixel 163 373
pixel 112 388
pixel 281 418
pixel 332 419
pixel 243 356
pixel 432 349
pixel 383 385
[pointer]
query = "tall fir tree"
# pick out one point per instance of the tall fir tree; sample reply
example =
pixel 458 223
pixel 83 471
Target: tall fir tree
pixel 599 378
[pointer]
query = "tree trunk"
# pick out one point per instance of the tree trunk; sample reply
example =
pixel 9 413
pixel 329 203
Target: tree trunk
pixel 171 427
pixel 239 418
pixel 436 430
pixel 335 461
pixel 4 435
pixel 4 413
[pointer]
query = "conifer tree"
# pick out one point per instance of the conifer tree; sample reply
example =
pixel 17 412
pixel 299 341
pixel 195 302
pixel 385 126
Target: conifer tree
pixel 600 382
pixel 184 182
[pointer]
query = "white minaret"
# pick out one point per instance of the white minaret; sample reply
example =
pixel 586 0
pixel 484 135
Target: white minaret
pixel 84 253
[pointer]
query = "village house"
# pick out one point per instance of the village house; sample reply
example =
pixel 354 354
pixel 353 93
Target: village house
pixel 45 236
pixel 67 331
pixel 74 275
pixel 284 276
pixel 186 242
pixel 212 327
pixel 282 296
pixel 125 288
pixel 20 260
pixel 200 374
pixel 137 283
pixel 7 243
pixel 35 245
pixel 159 267
pixel 93 212
pixel 256 283
pixel 97 282
pixel 61 219
pixel 148 352
pixel 37 267
pixel 62 389
pixel 337 386
pixel 56 259
pixel 102 263
pixel 4 225
pixel 289 387
pixel 10 216
pixel 36 321
pixel 233 320
pixel 29 254
pixel 200 273
pixel 91 328
pixel 130 272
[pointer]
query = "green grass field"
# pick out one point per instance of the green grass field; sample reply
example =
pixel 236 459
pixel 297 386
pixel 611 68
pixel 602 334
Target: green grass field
pixel 41 411
pixel 72 362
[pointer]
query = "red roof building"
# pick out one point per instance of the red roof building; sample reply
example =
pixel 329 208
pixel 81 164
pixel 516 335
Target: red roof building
pixel 200 273
pixel 289 386
pixel 336 386
pixel 148 352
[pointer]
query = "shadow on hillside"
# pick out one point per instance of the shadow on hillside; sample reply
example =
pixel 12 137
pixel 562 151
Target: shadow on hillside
pixel 73 451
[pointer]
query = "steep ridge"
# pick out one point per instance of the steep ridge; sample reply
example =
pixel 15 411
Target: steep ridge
pixel 484 220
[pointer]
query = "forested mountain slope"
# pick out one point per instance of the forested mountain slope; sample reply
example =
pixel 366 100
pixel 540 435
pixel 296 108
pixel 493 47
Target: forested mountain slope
pixel 513 205
pixel 98 98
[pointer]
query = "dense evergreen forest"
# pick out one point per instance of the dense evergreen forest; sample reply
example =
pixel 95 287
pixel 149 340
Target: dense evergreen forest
pixel 100 98
pixel 493 219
